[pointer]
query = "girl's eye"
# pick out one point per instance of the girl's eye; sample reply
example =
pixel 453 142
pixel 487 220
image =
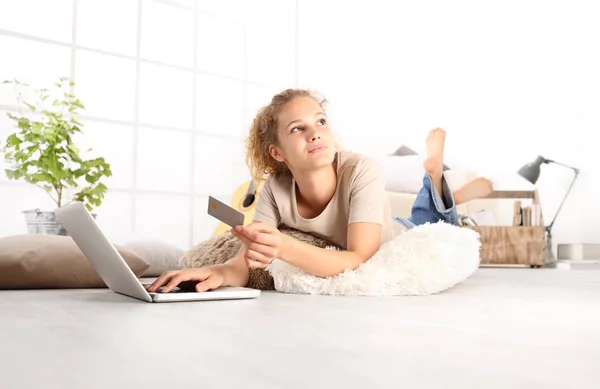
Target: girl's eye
pixel 323 121
pixel 296 128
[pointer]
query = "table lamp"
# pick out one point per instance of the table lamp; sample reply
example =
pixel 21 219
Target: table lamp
pixel 531 172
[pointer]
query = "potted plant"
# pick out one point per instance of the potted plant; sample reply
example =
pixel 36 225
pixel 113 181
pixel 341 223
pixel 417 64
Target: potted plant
pixel 42 152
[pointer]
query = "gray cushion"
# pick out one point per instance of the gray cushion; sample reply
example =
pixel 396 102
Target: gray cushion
pixel 403 151
pixel 161 256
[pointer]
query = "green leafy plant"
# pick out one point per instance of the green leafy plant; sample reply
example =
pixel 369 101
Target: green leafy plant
pixel 42 151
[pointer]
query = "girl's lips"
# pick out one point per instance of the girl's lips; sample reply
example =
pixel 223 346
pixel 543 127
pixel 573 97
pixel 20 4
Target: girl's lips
pixel 316 150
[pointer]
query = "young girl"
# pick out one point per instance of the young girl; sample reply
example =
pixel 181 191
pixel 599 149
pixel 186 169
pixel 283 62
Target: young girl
pixel 315 187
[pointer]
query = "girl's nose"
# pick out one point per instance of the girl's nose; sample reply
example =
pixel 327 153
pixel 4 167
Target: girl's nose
pixel 314 135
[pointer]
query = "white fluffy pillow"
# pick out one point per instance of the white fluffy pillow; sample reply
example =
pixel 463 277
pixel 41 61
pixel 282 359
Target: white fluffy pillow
pixel 424 260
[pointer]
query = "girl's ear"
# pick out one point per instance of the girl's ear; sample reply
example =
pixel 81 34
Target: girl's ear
pixel 274 151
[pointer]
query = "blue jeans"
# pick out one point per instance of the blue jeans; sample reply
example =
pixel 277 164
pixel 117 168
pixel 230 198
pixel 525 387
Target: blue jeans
pixel 430 206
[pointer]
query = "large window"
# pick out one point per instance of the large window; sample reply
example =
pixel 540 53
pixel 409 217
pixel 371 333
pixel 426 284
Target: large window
pixel 170 88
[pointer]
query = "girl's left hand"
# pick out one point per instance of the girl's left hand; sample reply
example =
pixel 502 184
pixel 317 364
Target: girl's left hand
pixel 262 241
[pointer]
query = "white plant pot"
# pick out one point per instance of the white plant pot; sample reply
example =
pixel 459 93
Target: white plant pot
pixel 44 222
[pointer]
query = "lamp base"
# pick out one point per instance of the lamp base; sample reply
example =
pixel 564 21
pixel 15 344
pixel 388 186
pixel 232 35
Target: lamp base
pixel 550 257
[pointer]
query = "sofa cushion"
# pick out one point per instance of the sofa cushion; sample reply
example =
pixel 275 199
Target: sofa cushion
pixel 35 261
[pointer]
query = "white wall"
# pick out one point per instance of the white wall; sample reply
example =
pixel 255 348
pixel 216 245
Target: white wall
pixel 507 80
pixel 170 88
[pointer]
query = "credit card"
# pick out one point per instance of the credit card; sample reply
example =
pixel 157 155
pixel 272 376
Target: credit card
pixel 224 212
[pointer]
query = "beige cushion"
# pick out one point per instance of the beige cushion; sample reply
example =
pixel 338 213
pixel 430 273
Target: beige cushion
pixel 401 203
pixel 52 261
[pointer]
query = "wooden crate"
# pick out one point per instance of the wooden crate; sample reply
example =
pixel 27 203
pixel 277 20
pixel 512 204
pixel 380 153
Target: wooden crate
pixel 513 245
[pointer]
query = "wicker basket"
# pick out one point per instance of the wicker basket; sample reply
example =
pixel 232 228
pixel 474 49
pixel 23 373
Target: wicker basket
pixel 508 245
pixel 513 245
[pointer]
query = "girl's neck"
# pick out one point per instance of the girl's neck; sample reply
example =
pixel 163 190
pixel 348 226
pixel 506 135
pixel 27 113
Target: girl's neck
pixel 315 189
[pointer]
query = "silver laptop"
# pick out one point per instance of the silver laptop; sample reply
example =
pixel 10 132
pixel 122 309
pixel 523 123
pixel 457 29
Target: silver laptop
pixel 115 272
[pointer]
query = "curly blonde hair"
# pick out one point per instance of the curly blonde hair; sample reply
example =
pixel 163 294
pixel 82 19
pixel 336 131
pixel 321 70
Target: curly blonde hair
pixel 263 133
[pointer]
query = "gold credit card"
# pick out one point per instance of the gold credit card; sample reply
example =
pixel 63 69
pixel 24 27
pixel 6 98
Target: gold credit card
pixel 225 213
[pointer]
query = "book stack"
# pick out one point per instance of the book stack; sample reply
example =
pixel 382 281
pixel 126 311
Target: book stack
pixel 526 216
pixel 518 214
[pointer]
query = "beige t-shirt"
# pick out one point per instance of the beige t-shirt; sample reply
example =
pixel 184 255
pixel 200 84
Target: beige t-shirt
pixel 359 197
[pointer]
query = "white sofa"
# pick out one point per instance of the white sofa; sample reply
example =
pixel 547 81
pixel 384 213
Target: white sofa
pixel 401 202
pixel 502 209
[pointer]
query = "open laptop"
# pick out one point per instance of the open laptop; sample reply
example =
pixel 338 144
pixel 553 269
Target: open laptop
pixel 115 272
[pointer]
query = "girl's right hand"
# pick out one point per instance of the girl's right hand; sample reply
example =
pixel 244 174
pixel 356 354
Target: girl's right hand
pixel 208 278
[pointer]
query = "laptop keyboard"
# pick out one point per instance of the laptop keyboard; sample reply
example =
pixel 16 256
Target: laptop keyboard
pixel 176 289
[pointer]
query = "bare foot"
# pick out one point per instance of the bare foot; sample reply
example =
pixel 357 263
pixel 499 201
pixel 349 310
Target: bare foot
pixel 434 164
pixel 475 189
